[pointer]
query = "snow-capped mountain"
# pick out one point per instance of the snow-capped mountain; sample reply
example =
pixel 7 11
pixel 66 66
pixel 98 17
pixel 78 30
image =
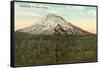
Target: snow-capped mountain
pixel 53 24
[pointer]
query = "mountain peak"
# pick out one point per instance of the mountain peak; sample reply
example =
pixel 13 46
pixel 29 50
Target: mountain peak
pixel 52 15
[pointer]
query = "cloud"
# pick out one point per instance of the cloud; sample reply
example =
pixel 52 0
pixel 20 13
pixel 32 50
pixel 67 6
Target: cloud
pixel 78 7
pixel 54 11
pixel 92 12
pixel 75 8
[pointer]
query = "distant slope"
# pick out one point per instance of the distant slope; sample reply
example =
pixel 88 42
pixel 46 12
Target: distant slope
pixel 53 24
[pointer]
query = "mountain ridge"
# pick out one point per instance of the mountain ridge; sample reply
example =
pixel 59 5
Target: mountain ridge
pixel 54 24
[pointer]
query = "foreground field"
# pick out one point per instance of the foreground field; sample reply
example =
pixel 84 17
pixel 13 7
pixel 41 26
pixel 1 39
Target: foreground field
pixel 45 49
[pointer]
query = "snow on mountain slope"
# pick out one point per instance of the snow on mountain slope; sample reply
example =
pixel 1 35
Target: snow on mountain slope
pixel 53 24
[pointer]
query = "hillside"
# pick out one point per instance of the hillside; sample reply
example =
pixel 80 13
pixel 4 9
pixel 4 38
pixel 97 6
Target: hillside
pixel 47 49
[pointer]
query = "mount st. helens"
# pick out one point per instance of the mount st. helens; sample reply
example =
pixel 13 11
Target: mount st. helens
pixel 53 24
pixel 53 40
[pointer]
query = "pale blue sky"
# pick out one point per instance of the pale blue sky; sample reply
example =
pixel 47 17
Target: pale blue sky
pixel 66 11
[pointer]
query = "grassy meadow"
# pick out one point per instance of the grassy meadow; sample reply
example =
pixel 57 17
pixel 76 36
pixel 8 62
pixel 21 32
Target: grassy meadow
pixel 56 49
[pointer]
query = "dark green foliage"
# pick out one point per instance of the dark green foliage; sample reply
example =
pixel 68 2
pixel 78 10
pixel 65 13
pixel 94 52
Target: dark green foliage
pixel 54 49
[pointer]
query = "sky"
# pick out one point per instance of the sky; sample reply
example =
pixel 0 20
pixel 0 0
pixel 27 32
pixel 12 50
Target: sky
pixel 27 14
